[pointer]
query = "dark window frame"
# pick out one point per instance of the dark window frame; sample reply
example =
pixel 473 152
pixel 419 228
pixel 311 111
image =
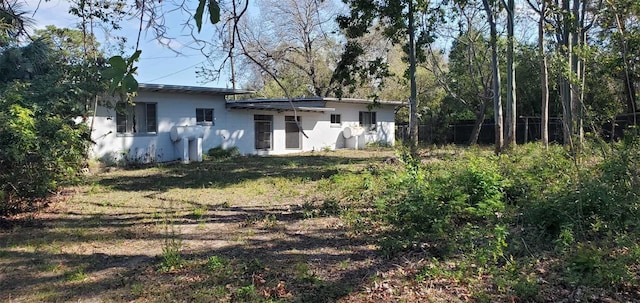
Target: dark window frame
pixel 140 118
pixel 205 116
pixel 368 120
pixel 336 119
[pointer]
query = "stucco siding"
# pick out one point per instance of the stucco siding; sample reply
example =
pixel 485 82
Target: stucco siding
pixel 230 128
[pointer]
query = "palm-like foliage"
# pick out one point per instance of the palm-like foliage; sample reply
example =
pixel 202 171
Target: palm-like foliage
pixel 14 22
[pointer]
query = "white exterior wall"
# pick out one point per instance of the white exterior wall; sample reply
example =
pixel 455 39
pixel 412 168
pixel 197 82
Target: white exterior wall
pixel 172 110
pixel 317 126
pixel 232 127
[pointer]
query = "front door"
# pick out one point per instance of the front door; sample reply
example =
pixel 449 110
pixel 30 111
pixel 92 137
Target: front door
pixel 292 132
pixel 263 131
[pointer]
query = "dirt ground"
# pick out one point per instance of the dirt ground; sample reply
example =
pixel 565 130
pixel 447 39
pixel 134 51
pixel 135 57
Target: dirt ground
pixel 106 240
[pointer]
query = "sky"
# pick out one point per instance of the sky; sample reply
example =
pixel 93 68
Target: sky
pixel 158 64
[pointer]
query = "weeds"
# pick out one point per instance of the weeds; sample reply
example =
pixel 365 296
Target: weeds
pixel 171 258
pixel 76 274
pixel 218 153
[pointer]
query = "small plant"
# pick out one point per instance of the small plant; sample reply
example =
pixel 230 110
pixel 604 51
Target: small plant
pixel 304 274
pixel 94 189
pixel 344 264
pixel 76 274
pixel 309 210
pixel 171 258
pixel 526 289
pixel 137 289
pixel 219 152
pixel 198 213
pixel 330 207
pixel 246 294
pixel 270 221
pixel 215 263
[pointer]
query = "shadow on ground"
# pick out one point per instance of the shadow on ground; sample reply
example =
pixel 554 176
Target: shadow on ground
pixel 232 171
pixel 320 264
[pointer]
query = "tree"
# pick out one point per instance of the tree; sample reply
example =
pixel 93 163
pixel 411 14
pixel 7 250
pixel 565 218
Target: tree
pixel 14 23
pixel 489 8
pixel 397 20
pixel 511 110
pixel 542 9
pixel 293 39
pixel 469 80
pixel 42 147
pixel 571 22
pixel 620 28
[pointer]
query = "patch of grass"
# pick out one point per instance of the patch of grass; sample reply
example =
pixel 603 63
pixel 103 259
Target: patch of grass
pixel 137 289
pixel 51 267
pixel 215 263
pixel 246 294
pixel 270 221
pixel 171 259
pixel 218 153
pixel 526 289
pixel 344 264
pixel 199 213
pixel 304 274
pixel 76 274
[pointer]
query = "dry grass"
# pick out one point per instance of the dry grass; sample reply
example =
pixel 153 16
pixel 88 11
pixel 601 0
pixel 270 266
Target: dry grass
pixel 151 235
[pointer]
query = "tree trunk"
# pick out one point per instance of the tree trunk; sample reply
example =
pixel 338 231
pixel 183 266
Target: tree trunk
pixel 565 86
pixel 497 99
pixel 630 90
pixel 544 78
pixel 575 86
pixel 413 99
pixel 511 114
pixel 477 126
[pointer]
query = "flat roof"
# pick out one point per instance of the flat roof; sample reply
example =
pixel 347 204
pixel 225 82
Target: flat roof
pixel 277 107
pixel 325 99
pixel 199 90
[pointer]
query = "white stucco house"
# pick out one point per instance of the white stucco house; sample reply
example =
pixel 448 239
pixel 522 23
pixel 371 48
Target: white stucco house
pixel 170 122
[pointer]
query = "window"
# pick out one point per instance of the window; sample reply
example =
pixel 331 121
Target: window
pixel 368 120
pixel 204 116
pixel 292 132
pixel 335 119
pixel 138 118
pixel 263 131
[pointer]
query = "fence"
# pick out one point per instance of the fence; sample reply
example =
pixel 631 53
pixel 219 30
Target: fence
pixel 527 130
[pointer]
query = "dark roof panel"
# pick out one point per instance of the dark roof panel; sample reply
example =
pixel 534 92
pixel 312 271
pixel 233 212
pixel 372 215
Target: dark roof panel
pixel 200 90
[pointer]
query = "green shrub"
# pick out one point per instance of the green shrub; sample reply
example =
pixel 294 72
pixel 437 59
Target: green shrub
pixel 535 173
pixel 37 155
pixel 215 263
pixel 590 198
pixel 221 153
pixel 456 203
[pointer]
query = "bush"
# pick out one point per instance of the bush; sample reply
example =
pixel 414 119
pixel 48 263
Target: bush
pixel 221 153
pixel 593 198
pixel 38 154
pixel 41 146
pixel 448 203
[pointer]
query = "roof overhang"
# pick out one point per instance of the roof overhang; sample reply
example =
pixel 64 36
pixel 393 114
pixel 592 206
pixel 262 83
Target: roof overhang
pixel 365 101
pixel 303 104
pixel 279 107
pixel 196 90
